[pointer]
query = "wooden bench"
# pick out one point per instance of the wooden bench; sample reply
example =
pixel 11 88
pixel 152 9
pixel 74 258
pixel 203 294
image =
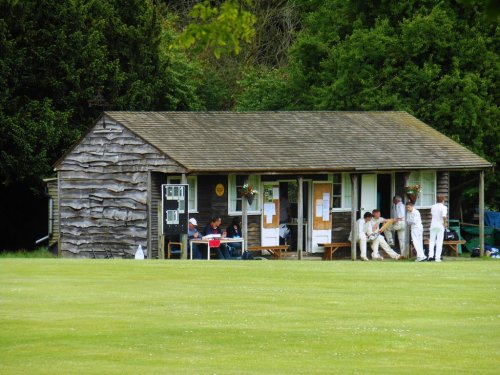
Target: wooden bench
pixel 331 248
pixel 452 245
pixel 274 250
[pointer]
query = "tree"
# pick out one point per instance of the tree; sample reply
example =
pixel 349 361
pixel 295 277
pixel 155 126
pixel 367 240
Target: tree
pixel 219 30
pixel 54 58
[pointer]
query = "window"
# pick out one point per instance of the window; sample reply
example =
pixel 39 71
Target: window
pixel 427 180
pixel 193 190
pixel 341 194
pixel 235 182
pixel 337 191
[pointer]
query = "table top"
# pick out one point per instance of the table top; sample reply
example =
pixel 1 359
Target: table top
pixel 226 239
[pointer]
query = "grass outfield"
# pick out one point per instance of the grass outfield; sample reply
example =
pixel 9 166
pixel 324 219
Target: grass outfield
pixel 256 317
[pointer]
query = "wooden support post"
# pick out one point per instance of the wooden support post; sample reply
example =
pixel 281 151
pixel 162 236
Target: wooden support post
pixel 354 210
pixel 151 209
pixel 59 252
pixel 161 237
pixel 481 213
pixel 300 218
pixel 184 236
pixel 244 217
pixel 406 251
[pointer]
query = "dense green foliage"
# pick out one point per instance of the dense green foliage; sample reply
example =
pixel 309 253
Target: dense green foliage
pixel 41 252
pixel 219 29
pixel 436 60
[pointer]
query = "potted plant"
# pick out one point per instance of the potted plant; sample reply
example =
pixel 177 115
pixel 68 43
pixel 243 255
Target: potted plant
pixel 247 191
pixel 412 192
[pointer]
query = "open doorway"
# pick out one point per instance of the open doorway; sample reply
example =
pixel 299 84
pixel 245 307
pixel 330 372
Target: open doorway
pixel 289 212
pixel 384 198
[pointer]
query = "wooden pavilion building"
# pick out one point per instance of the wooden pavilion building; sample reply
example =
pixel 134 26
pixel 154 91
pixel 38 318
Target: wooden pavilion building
pixel 329 165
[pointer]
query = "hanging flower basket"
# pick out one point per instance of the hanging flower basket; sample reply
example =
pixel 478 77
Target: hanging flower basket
pixel 248 192
pixel 250 199
pixel 412 192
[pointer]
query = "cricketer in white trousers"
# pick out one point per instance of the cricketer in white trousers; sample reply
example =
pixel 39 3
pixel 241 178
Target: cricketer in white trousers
pixel 417 238
pixel 380 241
pixel 399 226
pixel 417 232
pixel 438 212
pixel 364 231
pixel 436 238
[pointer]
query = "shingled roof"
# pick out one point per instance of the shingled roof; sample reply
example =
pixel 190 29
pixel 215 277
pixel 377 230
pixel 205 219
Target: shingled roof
pixel 298 141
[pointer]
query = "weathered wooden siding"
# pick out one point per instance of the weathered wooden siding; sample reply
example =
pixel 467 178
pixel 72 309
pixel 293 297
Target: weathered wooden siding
pixel 341 226
pixel 103 187
pixel 53 212
pixel 157 179
pixel 443 184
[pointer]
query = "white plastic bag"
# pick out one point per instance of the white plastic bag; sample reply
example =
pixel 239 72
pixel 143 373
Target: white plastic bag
pixel 139 254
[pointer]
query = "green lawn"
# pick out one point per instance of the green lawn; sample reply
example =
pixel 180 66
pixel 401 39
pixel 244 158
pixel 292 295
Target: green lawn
pixel 248 317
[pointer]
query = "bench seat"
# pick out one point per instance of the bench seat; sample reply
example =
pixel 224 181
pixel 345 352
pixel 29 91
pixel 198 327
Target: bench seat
pixel 331 248
pixel 451 245
pixel 274 250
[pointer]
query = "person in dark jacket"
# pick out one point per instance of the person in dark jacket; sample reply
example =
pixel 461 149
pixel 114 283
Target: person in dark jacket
pixel 214 228
pixel 234 231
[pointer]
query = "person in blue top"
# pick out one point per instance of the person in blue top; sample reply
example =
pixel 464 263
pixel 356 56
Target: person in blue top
pixel 193 233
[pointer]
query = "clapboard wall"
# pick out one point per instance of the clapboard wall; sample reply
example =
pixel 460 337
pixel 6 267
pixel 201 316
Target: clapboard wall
pixel 53 212
pixel 103 192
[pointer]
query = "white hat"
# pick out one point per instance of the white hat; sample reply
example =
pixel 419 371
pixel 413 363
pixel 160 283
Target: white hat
pixel 193 221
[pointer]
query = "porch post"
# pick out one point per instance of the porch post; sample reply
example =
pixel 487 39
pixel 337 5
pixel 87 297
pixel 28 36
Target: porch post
pixel 300 218
pixel 354 209
pixel 481 213
pixel 184 237
pixel 244 217
pixel 161 237
pixel 406 251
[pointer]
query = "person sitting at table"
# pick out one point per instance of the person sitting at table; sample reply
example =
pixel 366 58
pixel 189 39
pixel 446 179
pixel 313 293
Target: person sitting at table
pixel 214 228
pixel 234 231
pixel 193 234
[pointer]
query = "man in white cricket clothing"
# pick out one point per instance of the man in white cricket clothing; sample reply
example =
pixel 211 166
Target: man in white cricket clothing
pixel 439 212
pixel 399 224
pixel 380 240
pixel 363 230
pixel 417 231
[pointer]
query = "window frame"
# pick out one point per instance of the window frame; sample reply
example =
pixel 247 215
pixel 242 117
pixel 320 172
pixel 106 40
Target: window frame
pixel 419 180
pixel 345 191
pixel 231 184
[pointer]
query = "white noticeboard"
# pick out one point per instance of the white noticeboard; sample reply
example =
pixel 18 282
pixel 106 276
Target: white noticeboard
pixel 269 212
pixel 326 206
pixel 319 208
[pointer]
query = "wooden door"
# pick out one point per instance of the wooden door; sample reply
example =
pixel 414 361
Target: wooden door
pixel 322 220
pixel 270 214
pixel 368 193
